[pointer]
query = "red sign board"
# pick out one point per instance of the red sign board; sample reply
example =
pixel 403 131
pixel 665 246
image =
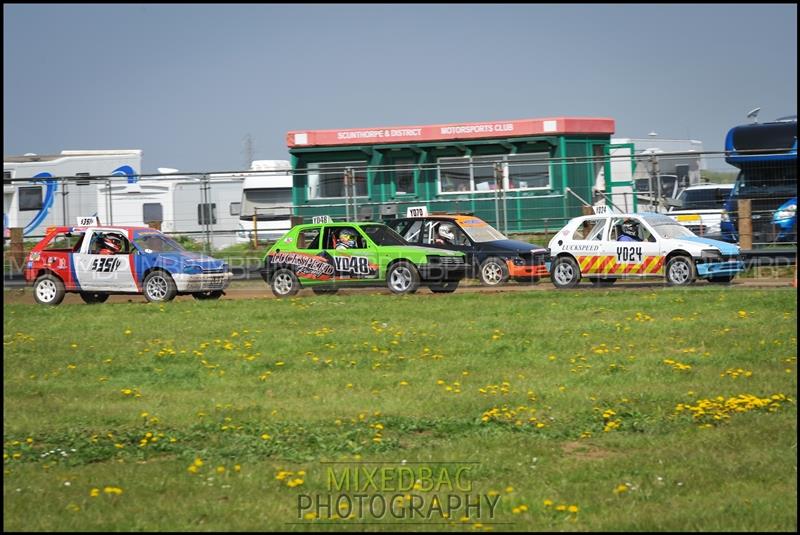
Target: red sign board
pixel 448 132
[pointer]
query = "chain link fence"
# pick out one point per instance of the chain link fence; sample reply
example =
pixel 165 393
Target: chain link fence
pixel 528 195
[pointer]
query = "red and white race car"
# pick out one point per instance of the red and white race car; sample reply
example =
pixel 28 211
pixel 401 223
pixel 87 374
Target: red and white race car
pixel 96 261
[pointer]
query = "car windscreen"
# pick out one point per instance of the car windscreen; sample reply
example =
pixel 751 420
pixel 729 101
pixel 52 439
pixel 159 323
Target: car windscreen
pixel 152 242
pixel 272 202
pixel 761 181
pixel 671 230
pixel 480 231
pixel 383 235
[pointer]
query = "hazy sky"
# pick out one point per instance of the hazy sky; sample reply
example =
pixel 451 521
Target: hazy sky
pixel 187 84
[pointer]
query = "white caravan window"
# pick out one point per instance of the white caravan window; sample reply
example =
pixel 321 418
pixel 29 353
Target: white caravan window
pixel 152 211
pixel 30 198
pixel 268 202
pixel 326 180
pixel 207 214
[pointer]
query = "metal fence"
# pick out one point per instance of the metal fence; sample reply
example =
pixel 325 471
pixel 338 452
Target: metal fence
pixel 519 196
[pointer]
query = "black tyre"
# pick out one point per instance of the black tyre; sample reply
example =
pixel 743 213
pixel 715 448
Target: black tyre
pixel 402 278
pixel 721 279
pixel 158 287
pixel 603 281
pixel 565 273
pixel 680 271
pixel 92 298
pixel 444 287
pixel 204 296
pixel 493 272
pixel 49 290
pixel 285 283
pixel 324 290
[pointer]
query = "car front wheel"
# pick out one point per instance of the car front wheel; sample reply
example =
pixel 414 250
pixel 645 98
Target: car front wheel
pixel 49 290
pixel 402 278
pixel 680 271
pixel 565 273
pixel 285 283
pixel 159 287
pixel 494 272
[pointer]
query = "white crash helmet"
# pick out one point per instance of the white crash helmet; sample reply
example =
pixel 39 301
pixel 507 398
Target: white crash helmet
pixel 446 231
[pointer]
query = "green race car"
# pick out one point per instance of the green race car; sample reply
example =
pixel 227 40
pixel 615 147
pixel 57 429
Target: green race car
pixel 326 256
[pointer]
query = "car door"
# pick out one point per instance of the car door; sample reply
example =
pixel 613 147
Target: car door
pixel 624 258
pixel 460 241
pixel 104 272
pixel 309 262
pixel 352 263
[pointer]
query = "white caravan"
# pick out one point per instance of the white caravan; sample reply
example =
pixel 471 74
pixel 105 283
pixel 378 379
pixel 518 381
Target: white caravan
pixel 202 207
pixel 45 200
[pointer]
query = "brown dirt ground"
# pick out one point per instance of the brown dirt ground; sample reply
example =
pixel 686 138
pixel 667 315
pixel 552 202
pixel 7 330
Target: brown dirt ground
pixel 258 290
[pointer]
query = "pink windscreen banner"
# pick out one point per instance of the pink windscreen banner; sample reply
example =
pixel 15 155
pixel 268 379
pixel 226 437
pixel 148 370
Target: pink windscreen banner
pixel 450 132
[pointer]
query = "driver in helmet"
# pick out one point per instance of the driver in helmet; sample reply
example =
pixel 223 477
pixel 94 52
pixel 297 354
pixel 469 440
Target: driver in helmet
pixel 445 235
pixel 347 239
pixel 110 244
pixel 630 231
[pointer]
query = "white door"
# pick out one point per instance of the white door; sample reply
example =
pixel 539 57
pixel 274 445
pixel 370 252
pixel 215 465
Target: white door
pixel 98 272
pixel 639 257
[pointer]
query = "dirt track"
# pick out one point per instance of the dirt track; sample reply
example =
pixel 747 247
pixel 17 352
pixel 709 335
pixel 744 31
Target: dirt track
pixel 259 290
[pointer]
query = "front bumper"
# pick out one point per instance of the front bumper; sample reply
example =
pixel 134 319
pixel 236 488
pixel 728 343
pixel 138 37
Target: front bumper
pixel 714 269
pixel 526 272
pixel 203 282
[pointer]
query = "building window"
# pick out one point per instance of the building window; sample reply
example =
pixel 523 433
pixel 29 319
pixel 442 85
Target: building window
pixel 404 176
pixel 476 175
pixel 30 198
pixel 454 175
pixel 528 171
pixel 326 179
pixel 207 214
pixel 152 211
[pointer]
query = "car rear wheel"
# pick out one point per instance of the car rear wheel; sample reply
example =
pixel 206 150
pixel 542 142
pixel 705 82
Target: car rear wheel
pixel 494 272
pixel 91 298
pixel 402 278
pixel 680 271
pixel 565 273
pixel 204 296
pixel 285 283
pixel 49 290
pixel 158 287
pixel 444 287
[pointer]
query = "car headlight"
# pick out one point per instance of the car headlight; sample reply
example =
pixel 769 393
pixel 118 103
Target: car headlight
pixel 710 254
pixel 518 261
pixel 192 269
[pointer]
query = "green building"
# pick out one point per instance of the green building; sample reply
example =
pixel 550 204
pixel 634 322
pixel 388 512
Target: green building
pixel 513 174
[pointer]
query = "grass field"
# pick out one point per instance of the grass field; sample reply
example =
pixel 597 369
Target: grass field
pixel 655 409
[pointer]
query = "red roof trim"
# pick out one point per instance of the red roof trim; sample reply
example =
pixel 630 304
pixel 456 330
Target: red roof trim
pixel 451 132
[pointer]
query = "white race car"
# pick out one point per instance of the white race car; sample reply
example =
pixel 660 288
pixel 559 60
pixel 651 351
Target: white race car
pixel 605 247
